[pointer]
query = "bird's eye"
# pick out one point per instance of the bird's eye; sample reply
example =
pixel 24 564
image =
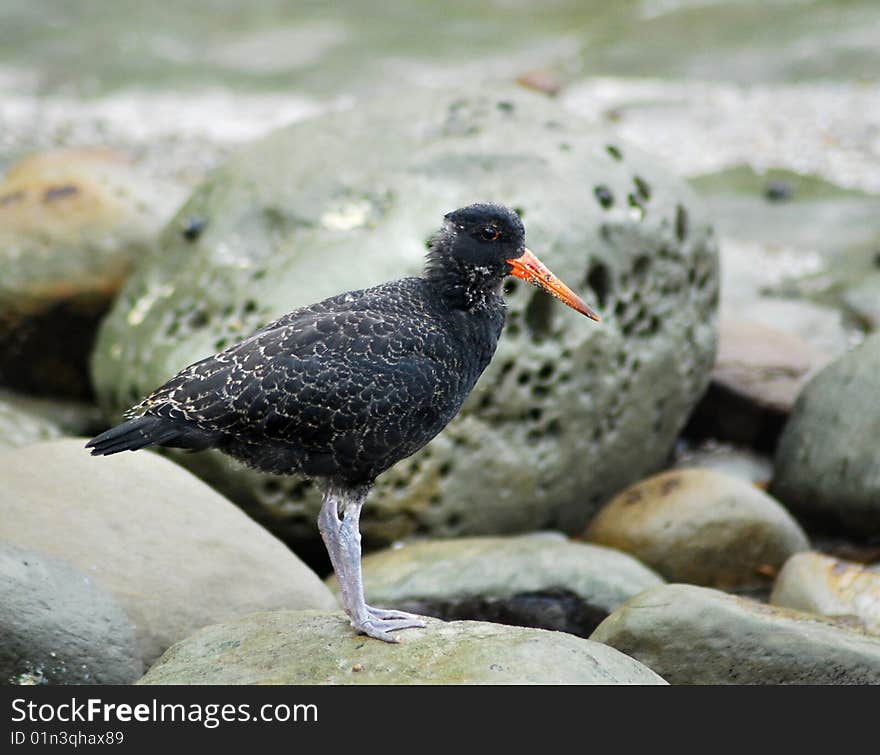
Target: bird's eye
pixel 490 234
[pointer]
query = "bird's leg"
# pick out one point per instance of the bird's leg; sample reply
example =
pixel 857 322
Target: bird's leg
pixel 343 540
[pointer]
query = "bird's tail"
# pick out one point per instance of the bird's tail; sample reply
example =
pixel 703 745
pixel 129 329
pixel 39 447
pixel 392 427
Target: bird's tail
pixel 149 430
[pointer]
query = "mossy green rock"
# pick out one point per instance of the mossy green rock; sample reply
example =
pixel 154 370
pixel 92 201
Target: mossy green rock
pixel 541 580
pixel 827 466
pixel 318 647
pixel 568 412
pixel 696 635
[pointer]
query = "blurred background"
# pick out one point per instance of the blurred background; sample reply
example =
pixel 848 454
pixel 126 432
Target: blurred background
pixel 706 84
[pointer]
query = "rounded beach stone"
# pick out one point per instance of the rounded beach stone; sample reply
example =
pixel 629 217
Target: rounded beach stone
pixel 828 586
pixel 19 427
pixel 73 223
pixel 696 635
pixel 758 374
pixel 827 466
pixel 701 526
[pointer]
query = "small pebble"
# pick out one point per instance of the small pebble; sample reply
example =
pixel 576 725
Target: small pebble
pixel 778 191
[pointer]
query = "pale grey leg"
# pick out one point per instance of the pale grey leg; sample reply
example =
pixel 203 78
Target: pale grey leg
pixel 343 540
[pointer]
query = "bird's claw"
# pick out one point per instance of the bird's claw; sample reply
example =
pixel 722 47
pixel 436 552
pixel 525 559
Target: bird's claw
pixel 385 613
pixel 381 626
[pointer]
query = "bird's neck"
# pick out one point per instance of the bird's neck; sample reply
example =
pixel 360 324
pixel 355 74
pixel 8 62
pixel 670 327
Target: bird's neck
pixel 463 286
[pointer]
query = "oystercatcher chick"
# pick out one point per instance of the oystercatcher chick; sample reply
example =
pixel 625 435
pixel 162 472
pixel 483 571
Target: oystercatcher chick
pixel 343 389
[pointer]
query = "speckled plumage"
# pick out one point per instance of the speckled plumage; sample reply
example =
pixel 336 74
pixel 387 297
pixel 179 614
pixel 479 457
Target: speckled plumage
pixel 341 389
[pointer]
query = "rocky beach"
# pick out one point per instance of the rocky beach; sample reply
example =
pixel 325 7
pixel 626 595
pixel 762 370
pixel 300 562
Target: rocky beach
pixel 685 493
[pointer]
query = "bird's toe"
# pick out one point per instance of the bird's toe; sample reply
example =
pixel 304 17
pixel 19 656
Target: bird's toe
pixel 385 613
pixel 381 628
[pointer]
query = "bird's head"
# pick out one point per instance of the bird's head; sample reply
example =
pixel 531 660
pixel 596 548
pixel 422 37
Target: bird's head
pixel 491 239
pixel 484 235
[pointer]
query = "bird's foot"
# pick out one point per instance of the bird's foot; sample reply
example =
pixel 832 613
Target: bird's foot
pixel 379 623
pixel 385 613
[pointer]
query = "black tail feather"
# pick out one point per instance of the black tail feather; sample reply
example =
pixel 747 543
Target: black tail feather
pixel 148 430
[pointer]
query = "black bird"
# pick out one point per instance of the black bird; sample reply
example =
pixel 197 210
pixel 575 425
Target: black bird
pixel 343 389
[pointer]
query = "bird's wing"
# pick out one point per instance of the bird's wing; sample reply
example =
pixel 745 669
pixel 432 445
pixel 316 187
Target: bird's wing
pixel 208 377
pixel 321 378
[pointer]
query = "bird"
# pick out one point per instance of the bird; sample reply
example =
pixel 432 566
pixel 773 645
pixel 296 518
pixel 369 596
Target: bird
pixel 341 390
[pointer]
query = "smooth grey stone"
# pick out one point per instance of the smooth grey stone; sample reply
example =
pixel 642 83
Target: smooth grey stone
pixel 827 466
pixel 175 554
pixel 696 635
pixel 58 626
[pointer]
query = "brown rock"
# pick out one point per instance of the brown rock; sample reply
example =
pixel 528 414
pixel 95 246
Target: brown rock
pixel 702 527
pixel 758 374
pixel 767 365
pixel 73 223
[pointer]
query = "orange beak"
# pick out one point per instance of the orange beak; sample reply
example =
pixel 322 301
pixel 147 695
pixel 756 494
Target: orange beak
pixel 530 269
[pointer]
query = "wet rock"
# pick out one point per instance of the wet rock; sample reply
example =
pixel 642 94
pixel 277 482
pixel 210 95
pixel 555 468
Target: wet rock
pixel 349 200
pixel 72 225
pixel 173 553
pixel 535 581
pixel 314 647
pixel 778 191
pixel 695 635
pixel 826 465
pixel 702 527
pixel 827 586
pixel 758 374
pixel 58 627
